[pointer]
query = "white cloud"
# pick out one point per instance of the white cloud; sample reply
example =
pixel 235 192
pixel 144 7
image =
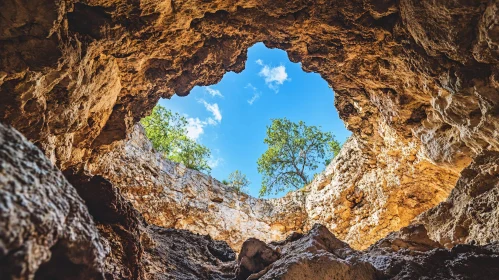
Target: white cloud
pixel 249 85
pixel 253 98
pixel 213 108
pixel 214 162
pixel 195 127
pixel 211 121
pixel 274 76
pixel 256 94
pixel 213 92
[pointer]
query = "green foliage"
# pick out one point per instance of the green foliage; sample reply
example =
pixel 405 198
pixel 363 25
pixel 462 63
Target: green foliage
pixel 294 151
pixel 335 148
pixel 191 154
pixel 238 181
pixel 225 182
pixel 168 134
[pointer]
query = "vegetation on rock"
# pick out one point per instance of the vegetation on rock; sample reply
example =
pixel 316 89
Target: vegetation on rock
pixel 294 151
pixel 168 134
pixel 238 181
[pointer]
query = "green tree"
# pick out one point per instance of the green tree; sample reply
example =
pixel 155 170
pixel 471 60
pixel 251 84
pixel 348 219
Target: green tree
pixel 238 181
pixel 335 148
pixel 294 151
pixel 168 134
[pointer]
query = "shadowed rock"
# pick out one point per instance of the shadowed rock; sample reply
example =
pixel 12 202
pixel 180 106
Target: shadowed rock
pixel 46 231
pixel 408 254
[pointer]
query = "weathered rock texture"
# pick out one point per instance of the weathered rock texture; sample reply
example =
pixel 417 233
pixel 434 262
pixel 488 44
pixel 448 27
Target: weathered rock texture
pixel 320 255
pixel 44 224
pixel 362 199
pixel 471 213
pixel 170 195
pixel 416 81
pixel 47 232
pixel 358 199
pixel 138 250
pixel 79 77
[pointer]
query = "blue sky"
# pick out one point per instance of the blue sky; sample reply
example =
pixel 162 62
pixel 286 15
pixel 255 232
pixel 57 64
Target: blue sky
pixel 231 117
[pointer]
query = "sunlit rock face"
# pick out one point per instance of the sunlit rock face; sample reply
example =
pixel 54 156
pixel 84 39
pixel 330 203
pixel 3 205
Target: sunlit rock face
pixel 470 213
pixel 170 195
pixel 415 81
pixel 359 198
pixel 49 232
pixel 82 75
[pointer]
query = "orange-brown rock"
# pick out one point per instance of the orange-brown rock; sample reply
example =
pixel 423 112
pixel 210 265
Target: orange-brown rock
pixel 47 231
pixel 470 213
pixel 415 81
pixel 170 195
pixel 77 78
pixel 363 197
pixel 359 198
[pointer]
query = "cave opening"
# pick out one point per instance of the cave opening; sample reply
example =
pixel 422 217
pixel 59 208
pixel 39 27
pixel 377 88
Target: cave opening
pixel 230 117
pixel 415 82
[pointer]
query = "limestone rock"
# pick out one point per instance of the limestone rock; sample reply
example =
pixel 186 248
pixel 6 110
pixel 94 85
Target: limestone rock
pixel 45 228
pixel 471 212
pixel 142 251
pixel 316 255
pixel 415 81
pixel 319 255
pixel 47 231
pixel 82 74
pixel 360 198
pixel 170 195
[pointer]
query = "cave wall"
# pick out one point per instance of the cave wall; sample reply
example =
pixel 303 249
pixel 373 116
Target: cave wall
pixel 45 226
pixel 415 82
pixel 50 232
pixel 470 213
pixel 363 197
pixel 58 226
pixel 170 195
pixel 358 198
pixel 76 79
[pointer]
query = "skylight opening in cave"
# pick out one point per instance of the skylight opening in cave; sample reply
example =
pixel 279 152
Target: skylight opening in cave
pixel 231 117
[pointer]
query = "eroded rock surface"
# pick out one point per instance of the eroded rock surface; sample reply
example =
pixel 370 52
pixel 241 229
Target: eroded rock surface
pixel 360 198
pixel 45 227
pixel 170 195
pixel 138 250
pixel 415 81
pixel 471 213
pixel 320 255
pixel 77 78
pixel 47 231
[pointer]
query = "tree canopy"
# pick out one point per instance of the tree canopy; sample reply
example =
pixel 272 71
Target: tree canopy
pixel 294 151
pixel 168 134
pixel 238 181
